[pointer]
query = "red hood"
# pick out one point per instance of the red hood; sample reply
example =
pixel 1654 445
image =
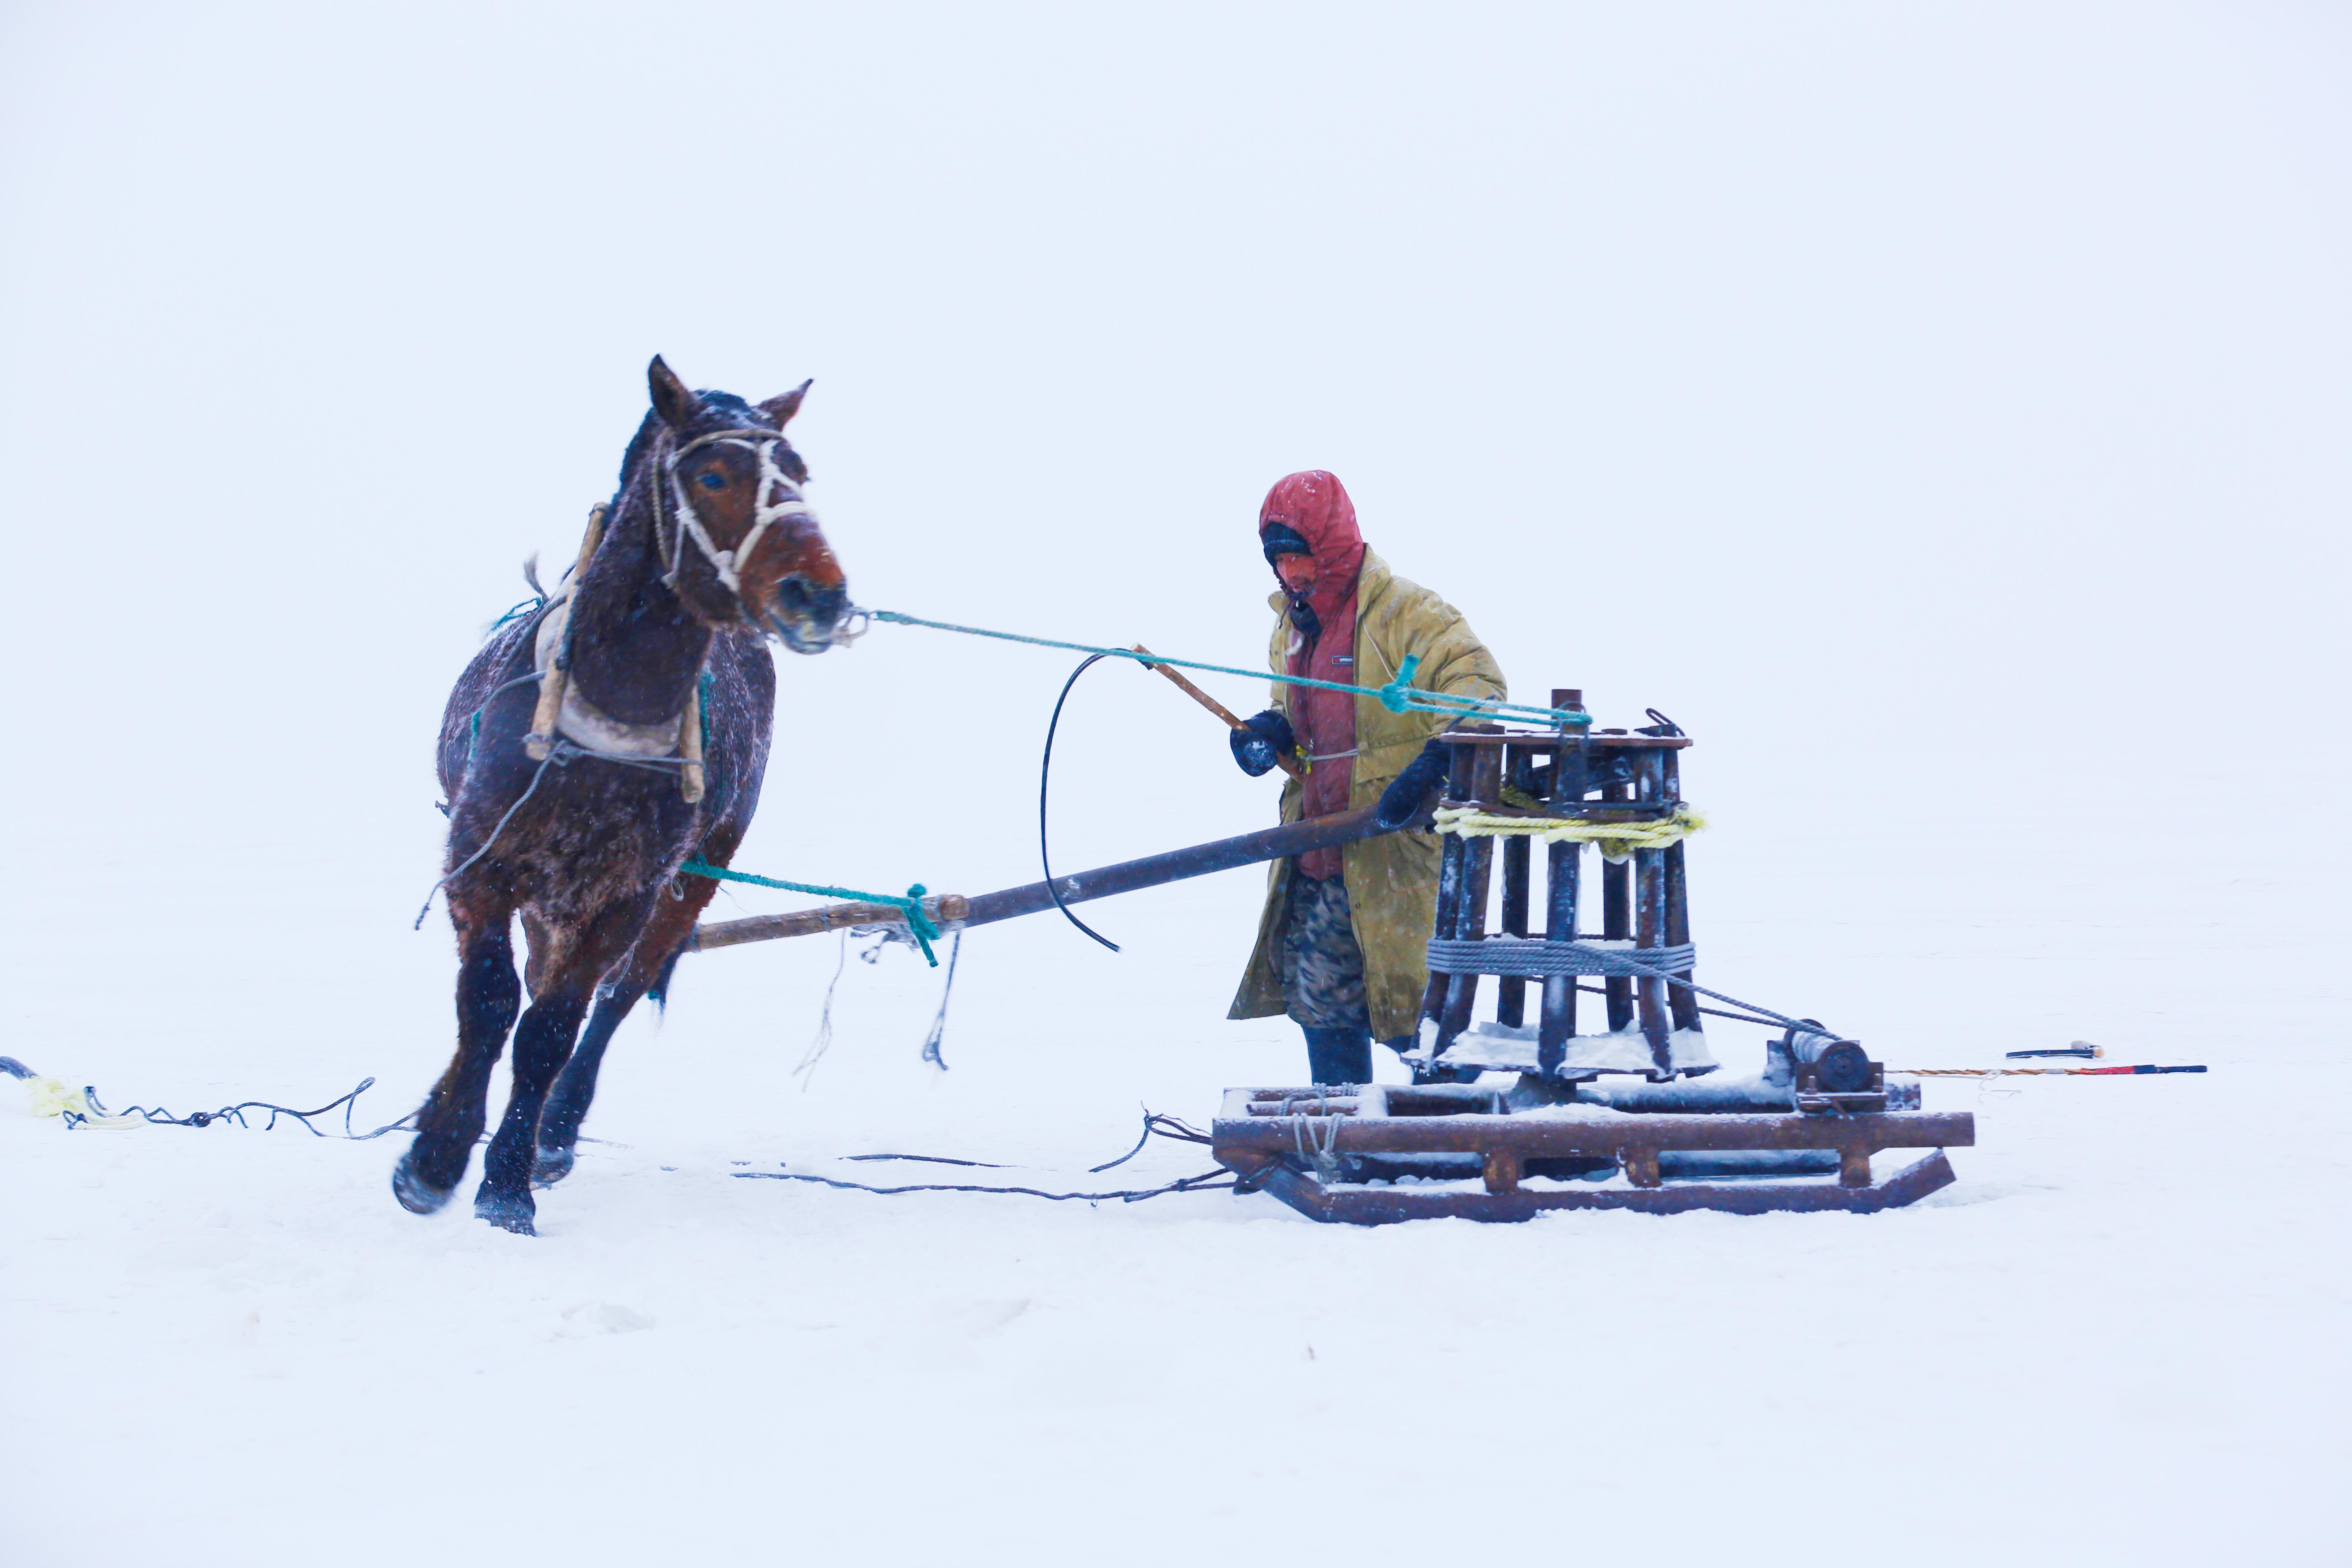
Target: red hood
pixel 1317 505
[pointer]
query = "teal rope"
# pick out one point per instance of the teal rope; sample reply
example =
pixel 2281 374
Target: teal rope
pixel 917 923
pixel 1398 696
pixel 526 607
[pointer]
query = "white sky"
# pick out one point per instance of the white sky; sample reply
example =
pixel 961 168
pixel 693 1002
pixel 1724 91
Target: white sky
pixel 1917 402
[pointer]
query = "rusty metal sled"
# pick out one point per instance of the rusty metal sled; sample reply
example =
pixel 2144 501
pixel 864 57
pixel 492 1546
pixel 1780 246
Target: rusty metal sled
pixel 1378 1153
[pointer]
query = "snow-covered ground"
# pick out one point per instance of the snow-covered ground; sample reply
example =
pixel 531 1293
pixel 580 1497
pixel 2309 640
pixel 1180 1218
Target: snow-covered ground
pixel 1939 413
pixel 2118 1339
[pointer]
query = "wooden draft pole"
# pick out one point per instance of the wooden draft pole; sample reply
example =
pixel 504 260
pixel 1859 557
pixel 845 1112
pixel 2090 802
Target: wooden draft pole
pixel 953 912
pixel 537 744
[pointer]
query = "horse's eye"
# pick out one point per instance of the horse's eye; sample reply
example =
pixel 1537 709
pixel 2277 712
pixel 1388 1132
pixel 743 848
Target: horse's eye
pixel 712 479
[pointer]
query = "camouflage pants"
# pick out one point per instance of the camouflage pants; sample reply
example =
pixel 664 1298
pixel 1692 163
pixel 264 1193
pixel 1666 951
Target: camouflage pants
pixel 1322 967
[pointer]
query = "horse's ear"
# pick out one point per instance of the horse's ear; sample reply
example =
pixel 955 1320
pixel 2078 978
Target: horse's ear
pixel 780 409
pixel 676 404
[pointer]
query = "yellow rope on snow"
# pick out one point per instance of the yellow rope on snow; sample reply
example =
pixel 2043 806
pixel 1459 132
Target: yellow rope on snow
pixel 54 1096
pixel 1616 839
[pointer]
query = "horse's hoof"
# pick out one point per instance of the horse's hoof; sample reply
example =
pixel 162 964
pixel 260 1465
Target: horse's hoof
pixel 415 1193
pixel 551 1166
pixel 512 1213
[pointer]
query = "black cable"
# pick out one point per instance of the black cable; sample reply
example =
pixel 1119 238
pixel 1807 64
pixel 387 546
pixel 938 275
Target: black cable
pixel 1711 1012
pixel 1184 1184
pixel 1045 777
pixel 160 1117
pixel 1156 1124
pixel 931 1160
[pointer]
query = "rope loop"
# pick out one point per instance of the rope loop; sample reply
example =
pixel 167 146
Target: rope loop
pixel 918 920
pixel 1396 694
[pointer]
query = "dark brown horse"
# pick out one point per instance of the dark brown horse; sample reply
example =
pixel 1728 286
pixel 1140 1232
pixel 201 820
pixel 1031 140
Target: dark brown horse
pixel 580 826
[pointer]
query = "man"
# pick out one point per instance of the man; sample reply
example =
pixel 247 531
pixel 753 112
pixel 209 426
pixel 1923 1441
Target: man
pixel 1342 947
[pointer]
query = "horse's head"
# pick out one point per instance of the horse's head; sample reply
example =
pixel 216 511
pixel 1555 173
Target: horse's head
pixel 740 547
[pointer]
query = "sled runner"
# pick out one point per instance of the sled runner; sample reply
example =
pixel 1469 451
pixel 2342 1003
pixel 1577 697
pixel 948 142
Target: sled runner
pixel 1377 1153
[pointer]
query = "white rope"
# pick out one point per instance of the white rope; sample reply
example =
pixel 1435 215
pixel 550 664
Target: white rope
pixel 765 511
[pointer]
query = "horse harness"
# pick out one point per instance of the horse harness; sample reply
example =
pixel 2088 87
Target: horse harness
pixel 562 707
pixel 687 522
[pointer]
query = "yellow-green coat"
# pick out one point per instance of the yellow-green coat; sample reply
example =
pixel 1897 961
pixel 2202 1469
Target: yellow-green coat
pixel 1392 880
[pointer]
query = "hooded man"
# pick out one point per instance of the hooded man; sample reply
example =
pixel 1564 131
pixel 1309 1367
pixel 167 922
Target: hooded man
pixel 1343 946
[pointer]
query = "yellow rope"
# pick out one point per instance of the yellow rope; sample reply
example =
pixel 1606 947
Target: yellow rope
pixel 1616 839
pixel 53 1097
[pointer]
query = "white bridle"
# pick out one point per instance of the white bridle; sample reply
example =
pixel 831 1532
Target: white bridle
pixel 765 511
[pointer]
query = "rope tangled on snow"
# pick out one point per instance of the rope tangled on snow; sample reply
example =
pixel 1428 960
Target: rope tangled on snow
pixel 82 1108
pixel 1155 1125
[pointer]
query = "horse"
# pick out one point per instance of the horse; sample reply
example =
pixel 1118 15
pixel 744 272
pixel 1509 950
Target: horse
pixel 580 825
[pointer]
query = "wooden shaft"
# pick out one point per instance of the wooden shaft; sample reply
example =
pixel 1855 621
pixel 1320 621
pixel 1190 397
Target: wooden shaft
pixel 1478 882
pixel 1128 876
pixel 1617 924
pixel 945 908
pixel 1292 766
pixel 1684 1004
pixel 1650 929
pixel 1451 858
pixel 1511 994
pixel 1563 872
pixel 1555 1021
pixel 541 739
pixel 689 745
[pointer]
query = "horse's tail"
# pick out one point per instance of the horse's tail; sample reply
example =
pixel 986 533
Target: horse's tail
pixel 659 989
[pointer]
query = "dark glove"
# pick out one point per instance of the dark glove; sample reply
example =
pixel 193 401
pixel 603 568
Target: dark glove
pixel 1411 790
pixel 1261 741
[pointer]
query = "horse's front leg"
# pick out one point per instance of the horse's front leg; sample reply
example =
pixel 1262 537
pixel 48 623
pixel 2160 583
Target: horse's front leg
pixel 543 1042
pixel 451 1118
pixel 575 1087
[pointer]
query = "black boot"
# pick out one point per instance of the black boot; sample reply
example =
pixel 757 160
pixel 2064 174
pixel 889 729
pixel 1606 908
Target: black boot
pixel 1338 1056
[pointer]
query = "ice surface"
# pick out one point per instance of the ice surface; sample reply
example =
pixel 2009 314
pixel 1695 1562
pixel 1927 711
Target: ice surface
pixel 1939 411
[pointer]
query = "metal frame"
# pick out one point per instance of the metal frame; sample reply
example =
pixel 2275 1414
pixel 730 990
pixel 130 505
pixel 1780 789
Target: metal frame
pixel 1646 901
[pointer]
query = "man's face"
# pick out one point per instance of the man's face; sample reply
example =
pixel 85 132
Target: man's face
pixel 1299 573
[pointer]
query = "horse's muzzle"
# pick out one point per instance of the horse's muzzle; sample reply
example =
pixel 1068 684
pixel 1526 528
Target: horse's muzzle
pixel 808 617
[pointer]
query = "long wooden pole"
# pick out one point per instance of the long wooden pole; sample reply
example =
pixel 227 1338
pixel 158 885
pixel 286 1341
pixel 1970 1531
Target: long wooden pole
pixel 951 911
